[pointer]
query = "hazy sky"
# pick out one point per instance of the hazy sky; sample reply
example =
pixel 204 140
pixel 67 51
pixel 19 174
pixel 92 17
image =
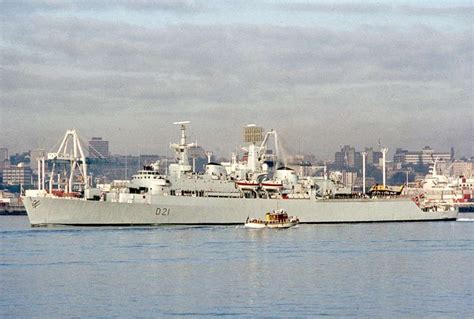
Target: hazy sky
pixel 323 73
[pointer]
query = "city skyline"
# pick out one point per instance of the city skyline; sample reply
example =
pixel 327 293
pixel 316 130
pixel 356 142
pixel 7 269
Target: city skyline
pixel 425 155
pixel 324 74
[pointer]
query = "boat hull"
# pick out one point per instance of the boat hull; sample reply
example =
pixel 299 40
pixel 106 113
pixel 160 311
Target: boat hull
pixel 466 212
pixel 263 225
pixel 204 210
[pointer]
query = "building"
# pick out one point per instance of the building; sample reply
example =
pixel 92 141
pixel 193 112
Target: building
pixel 373 157
pixel 345 157
pixel 253 134
pixel 377 158
pixel 358 160
pixel 3 154
pixel 4 161
pixel 460 168
pixel 426 156
pixel 98 148
pixel 17 175
pixel 400 155
pixel 349 178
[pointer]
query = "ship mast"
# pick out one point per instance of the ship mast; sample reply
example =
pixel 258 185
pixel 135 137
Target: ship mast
pixel 181 150
pixel 384 151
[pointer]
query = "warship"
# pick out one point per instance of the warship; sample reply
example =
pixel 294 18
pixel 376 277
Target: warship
pixel 225 193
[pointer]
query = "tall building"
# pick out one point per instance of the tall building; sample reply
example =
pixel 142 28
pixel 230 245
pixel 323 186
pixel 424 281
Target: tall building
pixel 3 161
pixel 98 148
pixel 346 157
pixel 369 158
pixel 3 154
pixel 377 157
pixel 358 160
pixel 253 134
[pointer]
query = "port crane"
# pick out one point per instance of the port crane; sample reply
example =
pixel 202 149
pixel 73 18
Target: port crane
pixel 70 154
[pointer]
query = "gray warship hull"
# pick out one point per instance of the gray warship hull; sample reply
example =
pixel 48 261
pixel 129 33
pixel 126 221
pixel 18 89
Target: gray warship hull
pixel 178 210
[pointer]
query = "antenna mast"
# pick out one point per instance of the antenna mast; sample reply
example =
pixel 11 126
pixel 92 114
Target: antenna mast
pixel 182 148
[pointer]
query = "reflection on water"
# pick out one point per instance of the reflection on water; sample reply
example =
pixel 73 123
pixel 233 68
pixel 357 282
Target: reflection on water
pixel 383 270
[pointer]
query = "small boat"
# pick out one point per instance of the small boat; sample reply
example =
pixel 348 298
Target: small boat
pixel 273 219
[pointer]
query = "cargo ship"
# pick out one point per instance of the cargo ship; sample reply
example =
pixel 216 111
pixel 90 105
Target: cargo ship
pixel 226 193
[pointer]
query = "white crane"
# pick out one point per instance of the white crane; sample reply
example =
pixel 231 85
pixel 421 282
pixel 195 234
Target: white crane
pixel 69 152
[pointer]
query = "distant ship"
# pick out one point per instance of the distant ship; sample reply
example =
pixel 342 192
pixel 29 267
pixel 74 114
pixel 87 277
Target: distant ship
pixel 226 193
pixel 11 204
pixel 457 191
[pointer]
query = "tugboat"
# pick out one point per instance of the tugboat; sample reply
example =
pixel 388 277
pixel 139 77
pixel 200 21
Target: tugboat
pixel 273 219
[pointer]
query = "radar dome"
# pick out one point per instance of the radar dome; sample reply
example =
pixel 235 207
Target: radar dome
pixel 215 169
pixel 286 175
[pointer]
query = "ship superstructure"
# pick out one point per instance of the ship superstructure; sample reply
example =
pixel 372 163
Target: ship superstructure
pixel 226 193
pixel 439 189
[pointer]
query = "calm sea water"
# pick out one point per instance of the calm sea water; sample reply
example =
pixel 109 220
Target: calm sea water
pixel 357 270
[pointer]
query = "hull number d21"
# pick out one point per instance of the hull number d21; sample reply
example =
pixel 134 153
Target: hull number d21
pixel 162 211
